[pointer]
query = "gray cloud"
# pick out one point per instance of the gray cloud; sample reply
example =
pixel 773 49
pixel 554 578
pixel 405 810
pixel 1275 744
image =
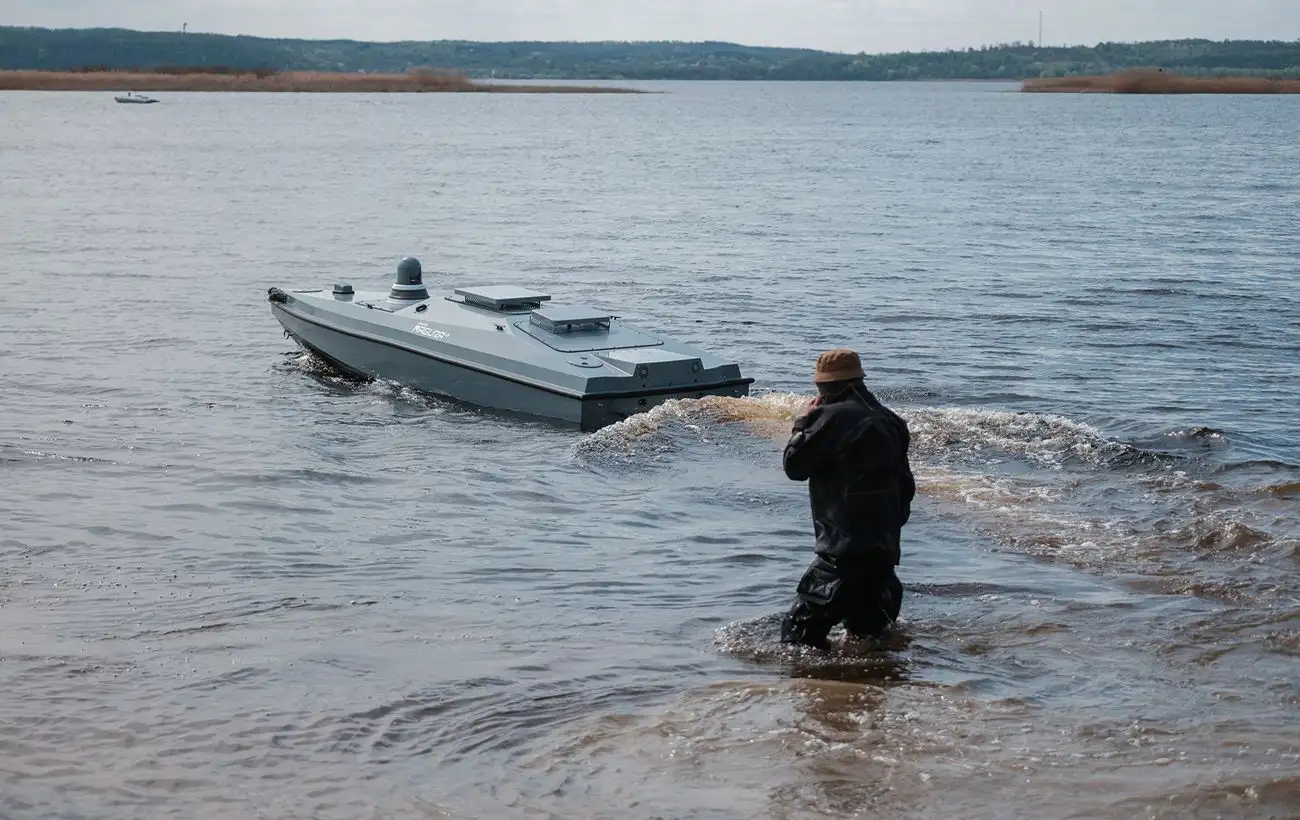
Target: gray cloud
pixel 841 25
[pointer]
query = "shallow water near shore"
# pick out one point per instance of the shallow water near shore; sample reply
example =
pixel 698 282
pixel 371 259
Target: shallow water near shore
pixel 234 584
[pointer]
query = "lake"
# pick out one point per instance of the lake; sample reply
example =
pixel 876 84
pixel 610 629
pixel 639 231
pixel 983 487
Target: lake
pixel 233 584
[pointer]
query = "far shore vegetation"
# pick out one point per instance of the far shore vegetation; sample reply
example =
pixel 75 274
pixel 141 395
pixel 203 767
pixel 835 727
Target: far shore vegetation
pixel 43 49
pixel 224 78
pixel 1158 81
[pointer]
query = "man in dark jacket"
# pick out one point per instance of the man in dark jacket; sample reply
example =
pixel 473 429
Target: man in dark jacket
pixel 852 451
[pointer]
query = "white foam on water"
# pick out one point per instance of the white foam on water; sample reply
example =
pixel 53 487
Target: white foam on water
pixel 763 415
pixel 1043 439
pixel 947 433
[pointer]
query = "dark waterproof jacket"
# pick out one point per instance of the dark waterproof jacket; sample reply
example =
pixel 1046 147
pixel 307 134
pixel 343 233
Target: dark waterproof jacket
pixel 853 453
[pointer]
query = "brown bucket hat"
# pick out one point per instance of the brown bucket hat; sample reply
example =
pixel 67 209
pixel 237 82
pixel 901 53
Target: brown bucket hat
pixel 837 365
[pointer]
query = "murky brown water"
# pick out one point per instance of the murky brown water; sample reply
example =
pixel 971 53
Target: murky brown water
pixel 235 585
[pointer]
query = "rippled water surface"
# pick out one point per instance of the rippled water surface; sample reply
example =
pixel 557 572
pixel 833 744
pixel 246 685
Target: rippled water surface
pixel 235 585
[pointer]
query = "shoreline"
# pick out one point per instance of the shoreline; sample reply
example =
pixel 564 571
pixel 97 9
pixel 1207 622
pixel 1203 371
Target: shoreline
pixel 415 81
pixel 1157 81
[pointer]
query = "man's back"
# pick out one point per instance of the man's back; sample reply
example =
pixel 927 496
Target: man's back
pixel 853 453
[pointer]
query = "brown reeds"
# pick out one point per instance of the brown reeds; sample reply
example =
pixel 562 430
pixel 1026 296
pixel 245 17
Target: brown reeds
pixel 174 78
pixel 1156 81
pixel 177 69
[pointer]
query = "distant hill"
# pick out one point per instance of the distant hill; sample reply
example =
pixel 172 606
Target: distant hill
pixel 67 49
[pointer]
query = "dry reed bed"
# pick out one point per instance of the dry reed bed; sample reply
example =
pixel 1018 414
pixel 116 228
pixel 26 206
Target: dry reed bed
pixel 287 81
pixel 1160 82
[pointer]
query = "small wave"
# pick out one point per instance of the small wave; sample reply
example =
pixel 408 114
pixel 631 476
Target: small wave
pixel 908 394
pixel 1194 539
pixel 1156 291
pixel 19 455
pixel 1030 517
pixel 1256 463
pixel 1259 795
pixel 1218 532
pixel 306 476
pixel 1043 439
pixel 1285 489
pixel 308 364
pixel 456 721
pixel 767 415
pixel 967 589
pixel 947 433
pixel 382 391
pixel 860 661
pixel 1197 434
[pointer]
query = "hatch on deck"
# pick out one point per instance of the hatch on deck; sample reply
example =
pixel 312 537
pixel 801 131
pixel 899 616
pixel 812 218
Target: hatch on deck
pixel 609 336
pixel 501 297
pixel 559 319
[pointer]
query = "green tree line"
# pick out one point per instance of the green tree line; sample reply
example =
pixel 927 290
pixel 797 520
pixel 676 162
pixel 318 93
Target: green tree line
pixel 69 49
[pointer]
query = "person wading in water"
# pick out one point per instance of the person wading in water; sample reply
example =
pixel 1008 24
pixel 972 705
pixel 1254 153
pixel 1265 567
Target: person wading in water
pixel 852 451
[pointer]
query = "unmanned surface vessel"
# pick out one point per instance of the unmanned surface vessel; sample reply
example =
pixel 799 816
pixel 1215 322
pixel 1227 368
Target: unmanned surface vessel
pixel 501 347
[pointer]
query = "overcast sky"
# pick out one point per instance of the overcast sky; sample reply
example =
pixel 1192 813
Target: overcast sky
pixel 837 25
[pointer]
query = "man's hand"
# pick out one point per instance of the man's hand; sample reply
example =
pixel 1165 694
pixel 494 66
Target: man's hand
pixel 801 419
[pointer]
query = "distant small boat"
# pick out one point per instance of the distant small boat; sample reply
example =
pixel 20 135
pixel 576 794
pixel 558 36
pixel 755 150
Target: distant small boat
pixel 132 97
